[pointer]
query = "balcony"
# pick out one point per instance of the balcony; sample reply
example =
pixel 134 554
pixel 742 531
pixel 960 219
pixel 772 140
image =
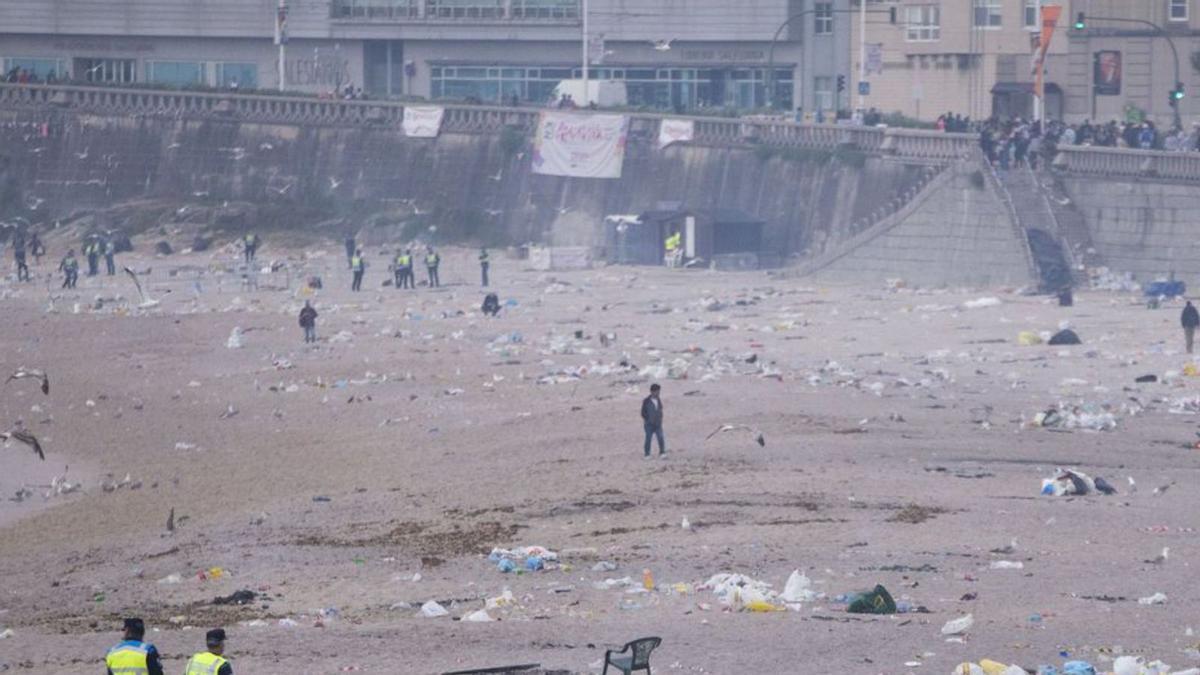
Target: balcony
pixel 457 11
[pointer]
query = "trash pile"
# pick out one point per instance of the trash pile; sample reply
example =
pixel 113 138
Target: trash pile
pixel 1072 483
pixel 1086 416
pixel 527 558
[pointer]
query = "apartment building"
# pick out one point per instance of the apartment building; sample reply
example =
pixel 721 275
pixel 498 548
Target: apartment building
pixel 671 54
pixel 974 57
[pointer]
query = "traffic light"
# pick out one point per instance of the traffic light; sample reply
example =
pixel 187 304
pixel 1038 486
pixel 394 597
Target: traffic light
pixel 841 83
pixel 1080 21
pixel 1177 94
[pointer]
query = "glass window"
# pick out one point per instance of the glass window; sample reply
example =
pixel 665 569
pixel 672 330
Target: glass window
pixel 1032 20
pixel 35 69
pixel 545 9
pixel 176 73
pixel 104 70
pixel 1179 10
pixel 823 93
pixel 823 18
pixel 924 23
pixel 464 9
pixel 237 75
pixel 987 14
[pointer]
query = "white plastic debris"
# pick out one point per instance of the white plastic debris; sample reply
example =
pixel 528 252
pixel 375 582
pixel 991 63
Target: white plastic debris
pixel 432 610
pixel 171 579
pixel 1007 565
pixel 798 589
pixel 980 303
pixel 478 616
pixel 958 626
pixel 235 338
pixel 1156 599
pixel 505 599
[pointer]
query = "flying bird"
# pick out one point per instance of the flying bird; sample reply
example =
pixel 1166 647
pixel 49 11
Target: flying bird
pixel 1161 557
pixel 26 438
pixel 662 45
pixel 133 275
pixel 334 183
pixel 758 435
pixel 23 373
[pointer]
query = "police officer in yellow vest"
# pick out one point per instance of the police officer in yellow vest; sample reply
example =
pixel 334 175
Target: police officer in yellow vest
pixel 250 246
pixel 132 656
pixel 404 270
pixel 432 260
pixel 213 661
pixel 672 245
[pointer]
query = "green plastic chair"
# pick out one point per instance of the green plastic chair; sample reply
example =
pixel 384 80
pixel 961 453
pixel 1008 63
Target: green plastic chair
pixel 638 659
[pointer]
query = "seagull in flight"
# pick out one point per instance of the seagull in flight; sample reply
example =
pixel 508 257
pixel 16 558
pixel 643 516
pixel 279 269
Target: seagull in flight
pixel 758 435
pixel 25 437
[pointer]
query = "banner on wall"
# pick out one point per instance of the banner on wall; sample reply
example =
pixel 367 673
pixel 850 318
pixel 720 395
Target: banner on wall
pixel 1106 73
pixel 675 131
pixel 423 121
pixel 580 145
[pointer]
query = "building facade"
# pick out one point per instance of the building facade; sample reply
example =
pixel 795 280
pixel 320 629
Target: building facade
pixel 671 54
pixel 974 57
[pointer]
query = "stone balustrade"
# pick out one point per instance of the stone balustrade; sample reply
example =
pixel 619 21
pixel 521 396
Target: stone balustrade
pixel 906 144
pixel 1128 163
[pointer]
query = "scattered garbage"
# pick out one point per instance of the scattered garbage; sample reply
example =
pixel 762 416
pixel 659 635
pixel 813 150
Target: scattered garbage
pixel 1085 416
pixel 1007 565
pixel 980 303
pixel 242 597
pixel 958 626
pixel 478 616
pixel 1028 338
pixel 432 610
pixel 1069 482
pixel 798 589
pixel 1156 599
pixel 530 558
pixel 235 340
pixel 1065 337
pixel 874 601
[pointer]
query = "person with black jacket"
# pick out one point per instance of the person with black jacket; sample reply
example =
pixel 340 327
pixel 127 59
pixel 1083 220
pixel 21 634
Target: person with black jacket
pixel 1189 319
pixel 308 321
pixel 652 420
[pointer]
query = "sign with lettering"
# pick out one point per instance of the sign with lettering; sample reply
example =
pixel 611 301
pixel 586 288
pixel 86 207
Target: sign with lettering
pixel 675 131
pixel 580 145
pixel 423 121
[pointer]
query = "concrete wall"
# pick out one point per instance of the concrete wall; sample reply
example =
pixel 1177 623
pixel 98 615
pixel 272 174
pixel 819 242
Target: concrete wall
pixel 958 235
pixel 1147 228
pixel 95 161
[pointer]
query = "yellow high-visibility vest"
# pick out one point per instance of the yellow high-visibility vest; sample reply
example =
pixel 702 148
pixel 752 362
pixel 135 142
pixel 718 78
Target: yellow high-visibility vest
pixel 673 242
pixel 128 658
pixel 204 663
pixel 404 260
pixel 356 263
pixel 431 260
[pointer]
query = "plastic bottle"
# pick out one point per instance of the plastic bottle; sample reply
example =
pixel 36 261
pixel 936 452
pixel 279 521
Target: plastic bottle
pixel 647 579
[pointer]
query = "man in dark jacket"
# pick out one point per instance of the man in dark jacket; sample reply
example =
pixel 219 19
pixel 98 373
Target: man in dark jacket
pixel 652 420
pixel 308 321
pixel 1190 319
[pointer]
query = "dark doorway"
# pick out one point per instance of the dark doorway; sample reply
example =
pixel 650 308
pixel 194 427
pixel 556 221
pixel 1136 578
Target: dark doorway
pixel 383 68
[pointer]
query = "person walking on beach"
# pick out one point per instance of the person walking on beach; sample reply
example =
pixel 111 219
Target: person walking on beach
pixel 212 660
pixel 308 321
pixel 1189 319
pixel 131 654
pixel 652 420
pixel 358 266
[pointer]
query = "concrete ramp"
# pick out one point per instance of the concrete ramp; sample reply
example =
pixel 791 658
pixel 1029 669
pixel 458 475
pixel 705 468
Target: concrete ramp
pixel 957 231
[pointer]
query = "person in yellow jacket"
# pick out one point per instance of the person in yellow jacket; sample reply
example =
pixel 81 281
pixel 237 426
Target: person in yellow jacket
pixel 132 655
pixel 672 244
pixel 212 661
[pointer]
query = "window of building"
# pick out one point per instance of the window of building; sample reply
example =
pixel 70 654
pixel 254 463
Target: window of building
pixel 176 73
pixel 39 70
pixel 464 9
pixel 665 88
pixel 987 13
pixel 924 23
pixel 375 9
pixel 823 18
pixel 243 75
pixel 1178 10
pixel 1032 20
pixel 104 70
pixel 823 94
pixel 545 9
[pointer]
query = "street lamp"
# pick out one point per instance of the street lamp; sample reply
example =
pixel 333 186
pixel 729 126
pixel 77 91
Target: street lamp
pixel 1176 94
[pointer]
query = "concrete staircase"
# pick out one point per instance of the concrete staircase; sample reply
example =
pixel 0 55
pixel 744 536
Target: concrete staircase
pixel 1051 252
